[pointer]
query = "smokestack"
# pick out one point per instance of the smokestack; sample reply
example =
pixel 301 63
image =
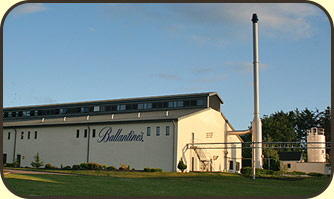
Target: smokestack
pixel 256 124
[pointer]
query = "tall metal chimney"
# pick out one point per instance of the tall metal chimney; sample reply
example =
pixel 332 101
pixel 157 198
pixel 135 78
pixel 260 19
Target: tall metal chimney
pixel 256 124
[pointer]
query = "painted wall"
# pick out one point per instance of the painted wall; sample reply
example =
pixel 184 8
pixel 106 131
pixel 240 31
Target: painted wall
pixel 207 126
pixel 117 144
pixel 307 167
pixel 60 145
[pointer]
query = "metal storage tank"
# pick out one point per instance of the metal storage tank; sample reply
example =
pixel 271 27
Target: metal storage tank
pixel 316 146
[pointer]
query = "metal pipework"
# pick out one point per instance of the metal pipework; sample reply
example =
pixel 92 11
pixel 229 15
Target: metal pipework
pixel 256 124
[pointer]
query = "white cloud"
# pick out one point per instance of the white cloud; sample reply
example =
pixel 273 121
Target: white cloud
pixel 28 8
pixel 287 20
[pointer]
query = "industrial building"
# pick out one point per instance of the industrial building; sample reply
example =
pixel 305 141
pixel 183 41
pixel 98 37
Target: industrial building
pixel 142 132
pixel 316 155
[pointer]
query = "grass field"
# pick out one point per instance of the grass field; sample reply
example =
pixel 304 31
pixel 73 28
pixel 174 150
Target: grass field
pixel 102 183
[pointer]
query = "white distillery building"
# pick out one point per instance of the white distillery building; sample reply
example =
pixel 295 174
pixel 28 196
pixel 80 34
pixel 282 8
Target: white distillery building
pixel 151 132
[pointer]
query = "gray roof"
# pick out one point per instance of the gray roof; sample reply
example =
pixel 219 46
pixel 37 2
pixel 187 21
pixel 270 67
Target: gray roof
pixel 108 118
pixel 290 156
pixel 124 100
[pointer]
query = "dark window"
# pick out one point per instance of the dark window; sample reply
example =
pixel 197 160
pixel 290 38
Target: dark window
pixel 86 133
pixel 121 107
pixel 200 102
pixel 13 114
pixel 148 131
pixel 171 104
pixel 91 109
pixel 158 131
pixel 187 103
pixel 114 108
pixel 108 108
pixel 167 130
pixel 179 103
pixel 8 136
pixel 22 135
pixel 32 113
pixel 20 114
pixel 134 106
pixel 164 104
pixel 5 114
pixel 289 165
pixel 28 134
pixel 63 110
pixel 231 165
pixel 84 110
pixel 35 135
pixel 78 132
pixel 128 107
pixel 94 133
pixel 193 103
pixel 39 112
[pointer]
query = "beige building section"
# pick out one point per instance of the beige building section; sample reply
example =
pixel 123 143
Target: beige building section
pixel 65 142
pixel 207 126
pixel 307 167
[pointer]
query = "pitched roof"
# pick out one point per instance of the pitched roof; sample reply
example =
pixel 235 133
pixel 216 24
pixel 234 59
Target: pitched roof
pixel 108 118
pixel 123 100
pixel 290 156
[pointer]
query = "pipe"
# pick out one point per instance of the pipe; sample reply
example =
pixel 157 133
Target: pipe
pixel 174 144
pixel 256 124
pixel 88 144
pixel 239 132
pixel 14 150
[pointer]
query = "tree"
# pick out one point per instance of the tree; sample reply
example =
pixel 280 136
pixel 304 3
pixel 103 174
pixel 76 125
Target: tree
pixel 279 127
pixel 181 165
pixel 37 161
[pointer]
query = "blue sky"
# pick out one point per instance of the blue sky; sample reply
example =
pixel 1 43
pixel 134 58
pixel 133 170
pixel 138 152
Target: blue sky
pixel 57 53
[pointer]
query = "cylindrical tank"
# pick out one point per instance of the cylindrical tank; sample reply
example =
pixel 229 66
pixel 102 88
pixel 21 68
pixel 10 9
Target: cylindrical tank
pixel 316 146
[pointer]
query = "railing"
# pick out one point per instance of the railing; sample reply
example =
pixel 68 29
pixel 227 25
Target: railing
pixel 271 145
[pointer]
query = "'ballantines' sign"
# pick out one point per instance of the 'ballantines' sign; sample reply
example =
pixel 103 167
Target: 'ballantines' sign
pixel 107 135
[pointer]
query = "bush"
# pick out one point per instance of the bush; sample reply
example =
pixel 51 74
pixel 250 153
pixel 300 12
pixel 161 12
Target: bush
pixel 111 168
pixel 37 161
pixel 152 169
pixel 181 165
pixel 10 165
pixel 67 168
pixel 94 166
pixel 124 168
pixel 76 167
pixel 248 171
pixel 297 173
pixel 313 174
pixel 49 166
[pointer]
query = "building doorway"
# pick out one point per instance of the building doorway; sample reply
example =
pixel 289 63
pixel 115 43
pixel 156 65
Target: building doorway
pixel 18 159
pixel 4 159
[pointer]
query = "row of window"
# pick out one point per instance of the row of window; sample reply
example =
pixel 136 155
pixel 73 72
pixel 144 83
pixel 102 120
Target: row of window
pixel 29 135
pixel 105 108
pixel 86 133
pixel 148 132
pixel 158 131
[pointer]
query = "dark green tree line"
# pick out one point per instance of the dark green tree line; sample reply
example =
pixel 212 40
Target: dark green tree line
pixel 289 126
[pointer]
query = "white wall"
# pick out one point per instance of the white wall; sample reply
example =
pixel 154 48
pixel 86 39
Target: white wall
pixel 59 146
pixel 206 121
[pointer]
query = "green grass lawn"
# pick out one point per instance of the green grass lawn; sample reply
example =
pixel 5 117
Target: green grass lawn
pixel 102 183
